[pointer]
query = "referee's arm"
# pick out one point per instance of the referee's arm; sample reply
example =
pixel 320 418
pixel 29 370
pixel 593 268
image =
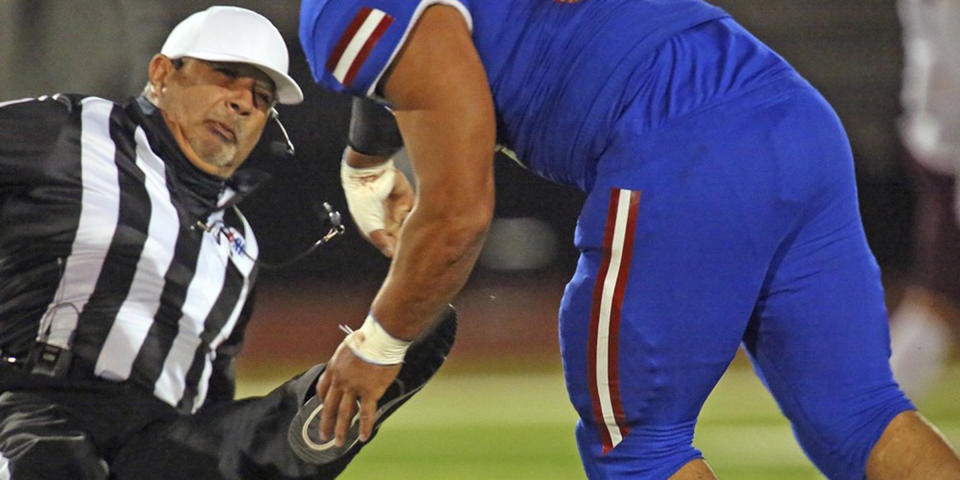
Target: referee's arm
pixel 29 130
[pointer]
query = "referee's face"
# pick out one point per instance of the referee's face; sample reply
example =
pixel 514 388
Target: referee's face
pixel 215 110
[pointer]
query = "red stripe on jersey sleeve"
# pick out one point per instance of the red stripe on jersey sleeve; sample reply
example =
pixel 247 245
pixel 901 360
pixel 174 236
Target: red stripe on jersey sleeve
pixel 367 47
pixel 346 37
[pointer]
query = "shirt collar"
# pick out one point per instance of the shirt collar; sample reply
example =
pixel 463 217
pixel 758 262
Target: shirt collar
pixel 201 192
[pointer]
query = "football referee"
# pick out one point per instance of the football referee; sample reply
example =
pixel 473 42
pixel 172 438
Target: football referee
pixel 126 272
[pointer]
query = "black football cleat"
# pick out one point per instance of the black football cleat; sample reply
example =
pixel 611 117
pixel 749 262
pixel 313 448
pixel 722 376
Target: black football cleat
pixel 422 360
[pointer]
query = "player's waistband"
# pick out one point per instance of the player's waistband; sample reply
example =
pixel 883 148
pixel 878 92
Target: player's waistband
pixel 704 65
pixel 708 64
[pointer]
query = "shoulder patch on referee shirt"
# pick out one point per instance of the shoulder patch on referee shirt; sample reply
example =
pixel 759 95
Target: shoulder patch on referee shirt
pixel 355 44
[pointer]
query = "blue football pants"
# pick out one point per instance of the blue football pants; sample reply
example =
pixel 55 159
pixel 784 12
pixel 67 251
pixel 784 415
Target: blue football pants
pixel 735 224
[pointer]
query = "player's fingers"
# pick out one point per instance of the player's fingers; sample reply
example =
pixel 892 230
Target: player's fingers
pixel 398 214
pixel 402 189
pixel 328 417
pixel 368 416
pixel 392 228
pixel 404 212
pixel 384 242
pixel 323 384
pixel 344 416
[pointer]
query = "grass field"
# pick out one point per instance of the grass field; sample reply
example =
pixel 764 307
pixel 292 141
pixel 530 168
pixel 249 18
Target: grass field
pixel 519 426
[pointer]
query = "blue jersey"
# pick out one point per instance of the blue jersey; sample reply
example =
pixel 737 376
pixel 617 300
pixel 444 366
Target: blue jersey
pixel 560 71
pixel 721 210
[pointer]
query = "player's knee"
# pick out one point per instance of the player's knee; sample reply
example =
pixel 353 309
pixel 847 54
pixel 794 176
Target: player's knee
pixel 839 435
pixel 69 455
pixel 645 453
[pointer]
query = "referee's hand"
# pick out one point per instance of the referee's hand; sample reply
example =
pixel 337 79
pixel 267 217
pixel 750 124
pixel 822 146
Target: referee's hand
pixel 346 382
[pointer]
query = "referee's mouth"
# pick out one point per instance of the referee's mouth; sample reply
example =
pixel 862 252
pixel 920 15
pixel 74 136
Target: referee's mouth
pixel 223 130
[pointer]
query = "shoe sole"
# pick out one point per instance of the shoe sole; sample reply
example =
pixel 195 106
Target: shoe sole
pixel 422 361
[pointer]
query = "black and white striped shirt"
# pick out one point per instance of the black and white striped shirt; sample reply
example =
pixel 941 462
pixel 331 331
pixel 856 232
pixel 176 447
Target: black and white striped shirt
pixel 101 252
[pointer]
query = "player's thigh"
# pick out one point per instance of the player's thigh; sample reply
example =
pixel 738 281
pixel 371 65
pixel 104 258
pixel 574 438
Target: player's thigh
pixel 820 336
pixel 717 194
pixel 663 291
pixel 676 238
pixel 39 440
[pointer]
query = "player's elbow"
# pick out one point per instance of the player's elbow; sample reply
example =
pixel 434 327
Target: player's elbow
pixel 464 233
pixel 470 216
pixel 463 218
pixel 477 222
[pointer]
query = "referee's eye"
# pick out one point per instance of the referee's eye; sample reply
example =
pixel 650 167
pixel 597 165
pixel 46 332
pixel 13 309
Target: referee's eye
pixel 225 70
pixel 265 100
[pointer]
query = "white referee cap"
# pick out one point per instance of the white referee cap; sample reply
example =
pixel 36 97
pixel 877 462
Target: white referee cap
pixel 234 34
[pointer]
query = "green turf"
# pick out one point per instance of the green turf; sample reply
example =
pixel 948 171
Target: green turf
pixel 520 427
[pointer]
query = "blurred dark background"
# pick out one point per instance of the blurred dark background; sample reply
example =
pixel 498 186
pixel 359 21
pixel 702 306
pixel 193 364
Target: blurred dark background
pixel 849 49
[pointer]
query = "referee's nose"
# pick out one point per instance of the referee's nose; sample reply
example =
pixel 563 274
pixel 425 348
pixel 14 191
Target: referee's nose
pixel 242 101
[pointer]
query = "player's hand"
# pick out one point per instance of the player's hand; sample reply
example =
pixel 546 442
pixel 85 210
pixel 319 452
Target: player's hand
pixel 396 208
pixel 380 198
pixel 347 381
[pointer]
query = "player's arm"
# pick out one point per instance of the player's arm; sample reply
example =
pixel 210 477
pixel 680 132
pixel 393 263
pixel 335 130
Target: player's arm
pixel 444 109
pixel 379 195
pixel 442 103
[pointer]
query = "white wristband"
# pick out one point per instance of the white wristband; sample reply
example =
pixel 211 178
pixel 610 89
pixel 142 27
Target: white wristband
pixel 366 190
pixel 375 345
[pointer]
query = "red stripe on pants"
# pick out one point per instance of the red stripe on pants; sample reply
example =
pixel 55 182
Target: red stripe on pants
pixel 619 252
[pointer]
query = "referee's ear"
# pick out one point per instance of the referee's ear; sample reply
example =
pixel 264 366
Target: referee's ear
pixel 160 69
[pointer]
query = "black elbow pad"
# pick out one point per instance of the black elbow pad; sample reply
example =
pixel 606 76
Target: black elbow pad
pixel 373 130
